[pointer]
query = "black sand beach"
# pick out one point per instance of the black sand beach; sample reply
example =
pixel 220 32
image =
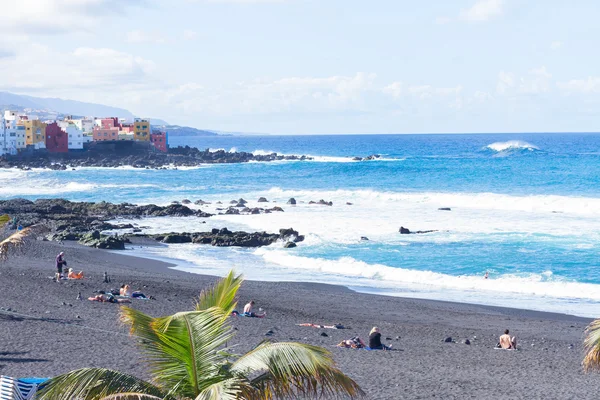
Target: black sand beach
pixel 45 331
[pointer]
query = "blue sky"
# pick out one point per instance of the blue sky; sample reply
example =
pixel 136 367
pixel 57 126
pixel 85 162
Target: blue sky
pixel 308 66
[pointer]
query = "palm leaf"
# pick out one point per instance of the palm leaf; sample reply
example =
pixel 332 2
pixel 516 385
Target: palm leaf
pixel 222 294
pixel 591 345
pixel 228 389
pixel 292 369
pixel 97 384
pixel 183 350
pixel 17 239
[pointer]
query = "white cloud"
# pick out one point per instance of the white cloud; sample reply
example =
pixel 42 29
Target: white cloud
pixel 189 34
pixel 481 97
pixel 395 89
pixel 557 44
pixel 536 81
pixel 140 36
pixel 59 16
pixel 589 85
pixel 97 70
pixel 482 10
pixel 506 81
pixel 428 91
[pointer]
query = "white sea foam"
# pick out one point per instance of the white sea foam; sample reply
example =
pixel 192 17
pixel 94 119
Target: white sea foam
pixel 511 145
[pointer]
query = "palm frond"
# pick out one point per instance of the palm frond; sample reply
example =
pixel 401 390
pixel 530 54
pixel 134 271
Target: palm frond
pixel 97 384
pixel 131 396
pixel 591 345
pixel 222 294
pixel 228 389
pixel 183 350
pixel 17 239
pixel 291 369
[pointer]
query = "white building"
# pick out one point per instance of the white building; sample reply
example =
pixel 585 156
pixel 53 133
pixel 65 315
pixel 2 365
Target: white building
pixel 76 138
pixel 85 125
pixel 12 137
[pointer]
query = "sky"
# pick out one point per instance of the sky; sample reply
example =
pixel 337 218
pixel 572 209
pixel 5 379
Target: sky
pixel 315 66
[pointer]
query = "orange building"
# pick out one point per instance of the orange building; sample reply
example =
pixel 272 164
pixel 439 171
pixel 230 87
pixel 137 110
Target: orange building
pixel 103 134
pixel 141 130
pixel 35 133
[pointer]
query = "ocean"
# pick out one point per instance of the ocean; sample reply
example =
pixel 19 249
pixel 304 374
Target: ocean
pixel 524 207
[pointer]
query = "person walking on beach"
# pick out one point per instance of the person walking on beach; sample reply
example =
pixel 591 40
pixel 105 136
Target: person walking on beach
pixel 507 342
pixel 375 340
pixel 60 263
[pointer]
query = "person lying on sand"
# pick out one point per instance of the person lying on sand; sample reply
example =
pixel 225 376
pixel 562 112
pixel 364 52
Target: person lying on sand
pixel 126 291
pixel 108 298
pixel 354 343
pixel 375 340
pixel 507 342
pixel 336 326
pixel 249 313
pixel 75 275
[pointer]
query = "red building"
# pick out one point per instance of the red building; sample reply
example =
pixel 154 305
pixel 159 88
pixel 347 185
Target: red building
pixel 107 123
pixel 57 140
pixel 159 140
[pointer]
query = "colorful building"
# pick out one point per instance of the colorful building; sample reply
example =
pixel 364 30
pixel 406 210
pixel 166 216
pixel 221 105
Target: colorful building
pixel 57 140
pixel 159 140
pixel 104 134
pixel 35 133
pixel 107 123
pixel 141 129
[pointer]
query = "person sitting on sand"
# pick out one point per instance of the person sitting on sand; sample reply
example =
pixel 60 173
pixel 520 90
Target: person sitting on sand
pixel 60 263
pixel 108 298
pixel 507 342
pixel 375 340
pixel 75 275
pixel 249 313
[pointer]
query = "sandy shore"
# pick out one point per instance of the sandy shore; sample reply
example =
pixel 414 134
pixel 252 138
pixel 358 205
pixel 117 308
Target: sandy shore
pixel 48 332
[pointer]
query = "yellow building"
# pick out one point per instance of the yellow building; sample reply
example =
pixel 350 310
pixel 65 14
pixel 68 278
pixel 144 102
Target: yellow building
pixel 35 133
pixel 141 130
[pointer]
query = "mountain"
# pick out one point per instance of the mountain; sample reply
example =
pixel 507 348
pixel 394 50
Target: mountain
pixel 66 107
pixel 53 108
pixel 176 130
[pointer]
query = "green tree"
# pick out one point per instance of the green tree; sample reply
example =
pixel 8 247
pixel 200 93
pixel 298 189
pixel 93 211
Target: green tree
pixel 187 357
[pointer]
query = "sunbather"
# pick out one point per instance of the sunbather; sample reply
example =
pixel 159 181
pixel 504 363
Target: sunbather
pixel 75 275
pixel 127 292
pixel 108 298
pixel 375 340
pixel 507 342
pixel 354 343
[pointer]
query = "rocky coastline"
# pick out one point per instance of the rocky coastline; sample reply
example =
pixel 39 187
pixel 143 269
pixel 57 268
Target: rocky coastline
pixel 176 157
pixel 64 220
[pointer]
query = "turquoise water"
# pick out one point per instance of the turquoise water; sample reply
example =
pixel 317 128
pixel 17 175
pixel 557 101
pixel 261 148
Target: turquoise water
pixel 525 208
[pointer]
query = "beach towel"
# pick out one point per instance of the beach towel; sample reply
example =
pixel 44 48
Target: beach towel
pixel 336 326
pixel 19 389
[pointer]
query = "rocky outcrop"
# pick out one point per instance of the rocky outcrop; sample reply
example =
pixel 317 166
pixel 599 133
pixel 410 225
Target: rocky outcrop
pixel 321 202
pixel 292 201
pixel 104 156
pixel 262 200
pixel 226 238
pixel 238 210
pixel 367 158
pixel 406 231
pixel 82 221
